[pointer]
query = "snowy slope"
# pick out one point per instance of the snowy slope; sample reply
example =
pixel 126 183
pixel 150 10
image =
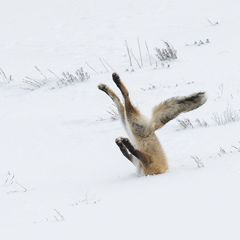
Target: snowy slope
pixel 62 175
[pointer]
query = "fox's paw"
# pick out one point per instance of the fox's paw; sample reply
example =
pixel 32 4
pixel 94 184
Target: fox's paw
pixel 121 141
pixel 116 78
pixel 102 87
pixel 125 140
pixel 118 141
pixel 127 144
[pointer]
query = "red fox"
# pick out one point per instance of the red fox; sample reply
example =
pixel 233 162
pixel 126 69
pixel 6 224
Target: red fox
pixel 145 151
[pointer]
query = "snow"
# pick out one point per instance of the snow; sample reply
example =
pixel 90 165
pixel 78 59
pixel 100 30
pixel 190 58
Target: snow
pixel 62 175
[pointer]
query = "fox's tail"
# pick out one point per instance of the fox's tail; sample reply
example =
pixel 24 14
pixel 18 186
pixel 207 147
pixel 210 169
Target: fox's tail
pixel 171 108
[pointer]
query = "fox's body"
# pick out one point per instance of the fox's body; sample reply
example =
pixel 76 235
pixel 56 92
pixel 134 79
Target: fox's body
pixel 145 151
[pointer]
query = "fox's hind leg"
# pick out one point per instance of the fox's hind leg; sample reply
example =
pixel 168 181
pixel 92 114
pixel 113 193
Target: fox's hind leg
pixel 138 123
pixel 128 105
pixel 116 100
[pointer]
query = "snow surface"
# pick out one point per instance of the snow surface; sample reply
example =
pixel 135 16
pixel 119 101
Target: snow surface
pixel 62 175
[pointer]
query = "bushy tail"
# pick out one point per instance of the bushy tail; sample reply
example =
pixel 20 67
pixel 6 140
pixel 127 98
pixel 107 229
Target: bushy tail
pixel 172 107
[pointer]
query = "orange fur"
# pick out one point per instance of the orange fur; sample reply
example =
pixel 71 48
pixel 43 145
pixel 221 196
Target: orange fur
pixel 146 152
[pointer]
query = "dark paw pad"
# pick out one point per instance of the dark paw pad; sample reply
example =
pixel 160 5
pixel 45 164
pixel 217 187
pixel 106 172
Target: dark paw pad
pixel 102 87
pixel 125 141
pixel 116 77
pixel 118 141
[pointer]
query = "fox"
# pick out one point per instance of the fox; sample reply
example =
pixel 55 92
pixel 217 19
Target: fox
pixel 145 150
